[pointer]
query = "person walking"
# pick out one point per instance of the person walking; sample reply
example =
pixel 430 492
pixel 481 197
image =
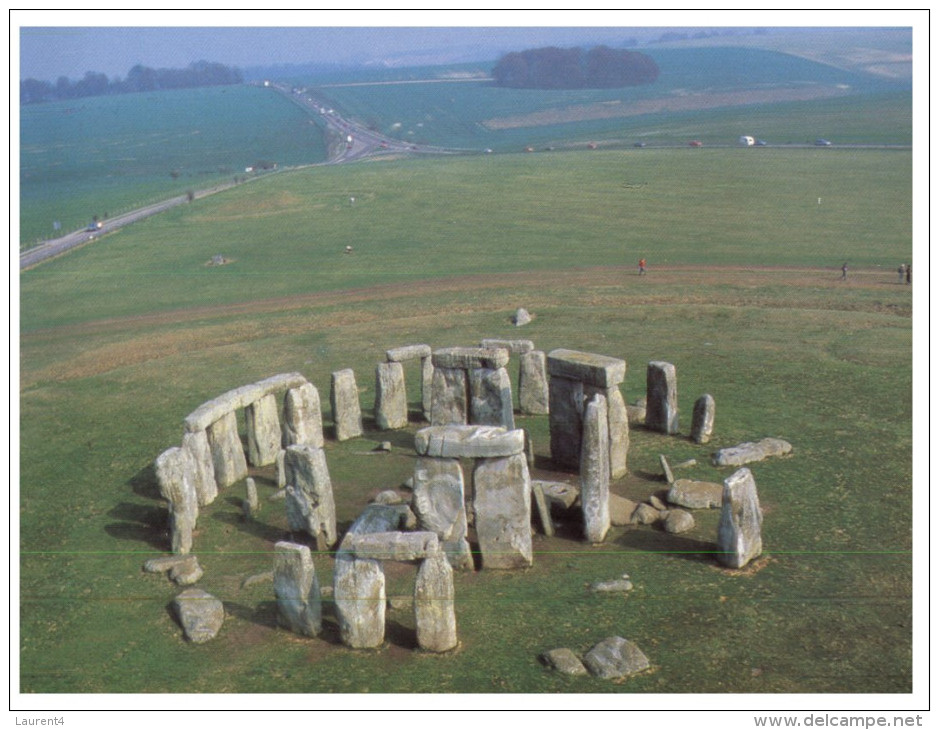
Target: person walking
pixel 642 266
pixel 909 273
pixel 844 271
pixel 901 270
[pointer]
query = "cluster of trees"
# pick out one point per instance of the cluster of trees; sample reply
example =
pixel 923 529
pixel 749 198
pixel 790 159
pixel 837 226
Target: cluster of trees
pixel 139 78
pixel 571 68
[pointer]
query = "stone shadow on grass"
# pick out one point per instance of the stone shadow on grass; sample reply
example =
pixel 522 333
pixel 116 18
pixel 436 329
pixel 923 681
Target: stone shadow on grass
pixel 144 483
pixel 263 614
pixel 140 522
pixel 253 527
pixel 656 540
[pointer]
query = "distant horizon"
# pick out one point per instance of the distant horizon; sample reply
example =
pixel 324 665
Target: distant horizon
pixel 48 53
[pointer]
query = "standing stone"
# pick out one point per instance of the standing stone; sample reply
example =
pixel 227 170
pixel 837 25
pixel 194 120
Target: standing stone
pixel 618 426
pixel 503 511
pixel 391 400
pixel 299 606
pixel 661 398
pixel 359 595
pixel 197 444
pixel 533 383
pixel 433 605
pixel 281 473
pixel 595 471
pixel 449 399
pixel 491 398
pixel 739 538
pixel 175 468
pixel 310 504
pixel 303 418
pixel 439 503
pixel 200 614
pixel 702 419
pixel 263 428
pixel 427 385
pixel 250 505
pixel 228 456
pixel 344 398
pixel 566 420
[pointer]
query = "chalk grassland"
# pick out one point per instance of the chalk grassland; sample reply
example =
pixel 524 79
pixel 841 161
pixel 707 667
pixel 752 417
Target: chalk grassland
pixel 123 338
pixel 106 155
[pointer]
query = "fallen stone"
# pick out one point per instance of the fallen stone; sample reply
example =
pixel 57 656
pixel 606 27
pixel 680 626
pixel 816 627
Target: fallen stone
pixel 636 411
pixel 621 510
pixel 615 657
pixel 661 398
pixel 678 521
pixel 657 503
pixel 165 564
pixel 384 446
pixel 620 585
pixel 666 470
pixel 187 572
pixel 751 451
pixel 695 495
pixel 200 614
pixel 521 317
pixel 559 494
pixel 544 512
pixel 564 661
pixel 646 514
pixel 299 604
pixel 702 419
pixel 257 578
pixel 739 533
pixel 684 464
pixel 471 442
pixel 388 496
pixel 434 614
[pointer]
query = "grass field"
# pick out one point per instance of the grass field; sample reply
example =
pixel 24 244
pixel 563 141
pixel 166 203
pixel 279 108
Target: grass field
pixel 123 338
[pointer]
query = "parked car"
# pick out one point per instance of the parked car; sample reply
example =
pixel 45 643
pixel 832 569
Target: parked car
pixel 694 143
pixel 639 144
pixel 822 142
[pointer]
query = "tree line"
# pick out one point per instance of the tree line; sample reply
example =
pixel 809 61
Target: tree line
pixel 139 78
pixel 601 67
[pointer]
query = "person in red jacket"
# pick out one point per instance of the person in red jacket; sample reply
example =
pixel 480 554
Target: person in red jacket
pixel 642 266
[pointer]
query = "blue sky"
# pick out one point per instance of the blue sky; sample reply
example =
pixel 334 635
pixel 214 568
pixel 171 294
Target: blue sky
pixel 69 43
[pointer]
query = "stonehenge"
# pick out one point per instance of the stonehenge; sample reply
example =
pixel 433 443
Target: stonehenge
pixel 739 533
pixel 344 399
pixel 661 398
pixel 470 386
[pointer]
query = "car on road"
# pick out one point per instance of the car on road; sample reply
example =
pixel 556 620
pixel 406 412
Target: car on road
pixel 822 142
pixel 694 143
pixel 639 144
pixel 761 143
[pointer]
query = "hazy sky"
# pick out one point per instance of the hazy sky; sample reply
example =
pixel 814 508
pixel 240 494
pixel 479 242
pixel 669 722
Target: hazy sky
pixel 69 43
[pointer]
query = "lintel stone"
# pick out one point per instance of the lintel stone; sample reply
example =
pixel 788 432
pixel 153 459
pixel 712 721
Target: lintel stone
pixel 467 358
pixel 472 442
pixel 516 347
pixel 597 370
pixel 213 410
pixel 407 352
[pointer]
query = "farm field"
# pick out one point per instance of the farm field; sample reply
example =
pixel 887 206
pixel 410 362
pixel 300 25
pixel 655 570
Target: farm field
pixel 121 339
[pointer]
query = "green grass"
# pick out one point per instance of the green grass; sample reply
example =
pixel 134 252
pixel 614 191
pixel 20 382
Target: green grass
pixel 742 295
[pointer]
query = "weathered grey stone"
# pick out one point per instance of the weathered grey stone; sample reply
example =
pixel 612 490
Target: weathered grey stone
pixel 228 456
pixel 666 469
pixel 566 408
pixel 739 533
pixel 299 604
pixel 518 347
pixel 427 386
pixel 359 595
pixel 469 358
pixel 751 451
pixel 401 546
pixel 521 317
pixel 262 425
pixel 344 399
pixel 595 471
pixel 197 444
pixel 702 419
pixel 250 504
pixel 661 398
pixel 533 383
pixel 281 473
pixel 439 503
pixel 564 661
pixel 618 426
pixel 503 512
pixel 434 614
pixel 695 495
pixel 656 502
pixel 257 578
pixel 599 371
pixel 560 494
pixel 618 585
pixel 391 400
pixel 165 563
pixel 621 510
pixel 379 518
pixel 449 396
pixel 636 411
pixel 544 512
pixel 407 352
pixel 646 514
pixel 200 614
pixel 187 572
pixel 310 503
pixel 471 442
pixel 615 657
pixel 388 496
pixel 678 521
pixel 175 469
pixel 213 410
pixel 303 417
pixel 491 398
